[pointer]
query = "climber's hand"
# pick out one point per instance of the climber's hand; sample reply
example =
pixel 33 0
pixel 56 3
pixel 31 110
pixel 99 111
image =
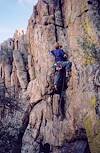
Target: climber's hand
pixel 65 56
pixel 49 51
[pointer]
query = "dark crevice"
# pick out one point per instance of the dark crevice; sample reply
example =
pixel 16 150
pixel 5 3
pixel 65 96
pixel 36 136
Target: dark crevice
pixel 26 67
pixel 44 148
pixel 47 6
pixel 52 103
pixel 17 45
pixel 48 9
pixel 56 35
pixel 82 13
pixel 58 6
pixel 89 2
pixel 79 143
pixel 28 76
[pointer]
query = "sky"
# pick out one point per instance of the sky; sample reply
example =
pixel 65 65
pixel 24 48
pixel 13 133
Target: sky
pixel 14 14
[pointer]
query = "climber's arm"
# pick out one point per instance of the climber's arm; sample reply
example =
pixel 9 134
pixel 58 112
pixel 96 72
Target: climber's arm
pixel 66 55
pixel 52 52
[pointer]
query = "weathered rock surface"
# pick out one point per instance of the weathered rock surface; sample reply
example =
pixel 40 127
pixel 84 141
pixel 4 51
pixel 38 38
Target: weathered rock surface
pixel 31 117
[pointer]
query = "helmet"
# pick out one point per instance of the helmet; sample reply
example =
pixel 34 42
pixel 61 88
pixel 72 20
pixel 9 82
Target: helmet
pixel 57 46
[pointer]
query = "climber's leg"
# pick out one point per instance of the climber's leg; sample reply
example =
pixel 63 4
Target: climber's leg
pixel 67 65
pixel 56 79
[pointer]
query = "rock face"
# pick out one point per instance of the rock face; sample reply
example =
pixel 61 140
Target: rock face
pixel 32 119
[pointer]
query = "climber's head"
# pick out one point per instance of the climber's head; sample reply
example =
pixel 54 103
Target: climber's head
pixel 60 46
pixel 57 46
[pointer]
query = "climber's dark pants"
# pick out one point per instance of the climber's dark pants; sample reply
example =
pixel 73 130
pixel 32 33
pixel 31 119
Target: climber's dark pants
pixel 67 65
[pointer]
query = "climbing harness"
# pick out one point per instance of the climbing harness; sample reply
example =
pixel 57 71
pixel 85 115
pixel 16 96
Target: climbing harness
pixel 58 66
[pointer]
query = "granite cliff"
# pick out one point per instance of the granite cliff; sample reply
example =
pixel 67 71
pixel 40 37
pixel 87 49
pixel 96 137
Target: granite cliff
pixel 32 118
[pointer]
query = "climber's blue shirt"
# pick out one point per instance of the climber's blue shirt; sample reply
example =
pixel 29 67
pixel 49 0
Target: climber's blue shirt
pixel 58 54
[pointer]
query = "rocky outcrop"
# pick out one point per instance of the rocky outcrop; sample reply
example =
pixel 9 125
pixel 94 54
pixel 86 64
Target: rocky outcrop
pixel 61 123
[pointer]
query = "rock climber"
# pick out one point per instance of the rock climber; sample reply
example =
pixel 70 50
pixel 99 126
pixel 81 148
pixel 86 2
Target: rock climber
pixel 62 58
